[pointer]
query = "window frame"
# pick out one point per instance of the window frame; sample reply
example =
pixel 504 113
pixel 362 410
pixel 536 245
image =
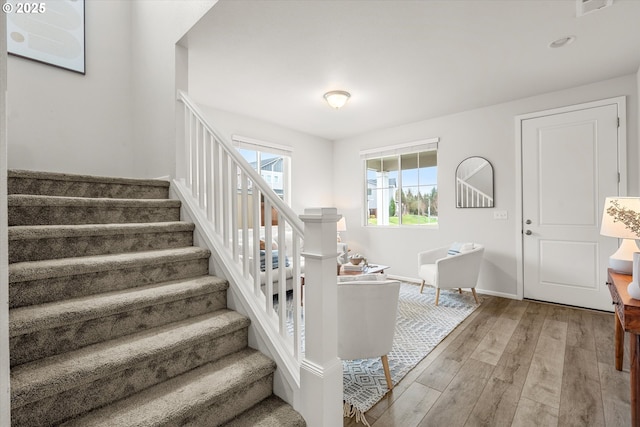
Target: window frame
pixel 271 148
pixel 424 145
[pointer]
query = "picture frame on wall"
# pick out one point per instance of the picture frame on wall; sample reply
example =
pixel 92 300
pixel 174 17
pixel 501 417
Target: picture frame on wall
pixel 50 32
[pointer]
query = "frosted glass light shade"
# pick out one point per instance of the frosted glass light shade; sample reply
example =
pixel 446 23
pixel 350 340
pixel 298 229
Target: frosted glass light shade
pixel 337 98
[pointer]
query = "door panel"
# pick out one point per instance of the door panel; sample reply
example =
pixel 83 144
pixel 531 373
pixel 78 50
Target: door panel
pixel 569 166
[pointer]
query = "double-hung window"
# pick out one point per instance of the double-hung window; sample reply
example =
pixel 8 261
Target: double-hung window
pixel 271 161
pixel 401 184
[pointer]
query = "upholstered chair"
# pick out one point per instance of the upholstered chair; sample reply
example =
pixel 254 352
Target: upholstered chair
pixel 451 267
pixel 367 320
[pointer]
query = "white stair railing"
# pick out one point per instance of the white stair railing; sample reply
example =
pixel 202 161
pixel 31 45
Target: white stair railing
pixel 234 210
pixel 470 197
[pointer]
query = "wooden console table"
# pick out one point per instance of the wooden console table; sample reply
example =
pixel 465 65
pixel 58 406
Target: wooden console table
pixel 627 319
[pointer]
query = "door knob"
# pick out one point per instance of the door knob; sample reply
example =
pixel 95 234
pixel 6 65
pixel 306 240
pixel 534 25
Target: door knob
pixel 528 232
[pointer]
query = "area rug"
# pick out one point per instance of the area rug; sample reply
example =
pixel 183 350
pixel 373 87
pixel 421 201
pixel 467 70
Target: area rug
pixel 420 327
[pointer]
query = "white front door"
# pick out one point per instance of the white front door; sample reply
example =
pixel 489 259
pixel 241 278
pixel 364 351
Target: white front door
pixel 569 166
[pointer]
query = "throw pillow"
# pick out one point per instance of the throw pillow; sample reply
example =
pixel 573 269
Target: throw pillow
pixel 458 247
pixel 274 245
pixel 274 260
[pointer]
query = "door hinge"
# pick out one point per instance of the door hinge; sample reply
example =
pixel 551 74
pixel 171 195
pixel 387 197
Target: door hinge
pixel 618 121
pixel 618 177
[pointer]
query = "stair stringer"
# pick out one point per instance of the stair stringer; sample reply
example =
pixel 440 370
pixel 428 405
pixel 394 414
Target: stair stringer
pixel 262 331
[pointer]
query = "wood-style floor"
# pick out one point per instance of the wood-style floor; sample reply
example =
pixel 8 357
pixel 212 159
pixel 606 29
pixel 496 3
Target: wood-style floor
pixel 515 363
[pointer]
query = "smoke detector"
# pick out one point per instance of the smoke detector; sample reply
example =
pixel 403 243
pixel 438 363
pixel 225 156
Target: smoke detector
pixel 584 7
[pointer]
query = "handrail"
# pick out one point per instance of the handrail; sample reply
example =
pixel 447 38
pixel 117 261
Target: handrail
pixel 234 206
pixel 237 157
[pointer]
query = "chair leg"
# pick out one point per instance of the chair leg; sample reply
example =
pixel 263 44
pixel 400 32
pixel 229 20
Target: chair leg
pixel 422 286
pixel 437 295
pixel 473 290
pixel 387 372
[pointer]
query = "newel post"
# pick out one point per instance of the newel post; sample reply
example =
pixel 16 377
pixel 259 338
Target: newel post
pixel 321 370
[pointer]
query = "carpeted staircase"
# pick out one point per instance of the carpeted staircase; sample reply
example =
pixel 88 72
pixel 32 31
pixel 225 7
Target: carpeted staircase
pixel 114 320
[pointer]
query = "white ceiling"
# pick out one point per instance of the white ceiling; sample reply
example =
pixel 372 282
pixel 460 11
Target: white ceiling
pixel 402 61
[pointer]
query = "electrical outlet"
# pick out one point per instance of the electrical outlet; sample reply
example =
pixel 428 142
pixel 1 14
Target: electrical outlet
pixel 500 215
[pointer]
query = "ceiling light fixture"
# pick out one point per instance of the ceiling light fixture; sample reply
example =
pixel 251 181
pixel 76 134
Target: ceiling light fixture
pixel 337 98
pixel 563 41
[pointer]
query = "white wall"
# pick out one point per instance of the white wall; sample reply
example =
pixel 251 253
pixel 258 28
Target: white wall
pixel 117 119
pixel 312 171
pixel 66 122
pixel 5 396
pixel 156 28
pixel 488 132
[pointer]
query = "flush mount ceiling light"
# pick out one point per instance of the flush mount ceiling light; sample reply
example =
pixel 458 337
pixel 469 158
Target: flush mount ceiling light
pixel 337 98
pixel 563 41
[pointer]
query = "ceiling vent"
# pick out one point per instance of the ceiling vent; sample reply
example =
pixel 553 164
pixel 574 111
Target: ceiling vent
pixel 584 7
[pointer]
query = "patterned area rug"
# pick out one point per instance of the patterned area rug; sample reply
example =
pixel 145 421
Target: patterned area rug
pixel 420 327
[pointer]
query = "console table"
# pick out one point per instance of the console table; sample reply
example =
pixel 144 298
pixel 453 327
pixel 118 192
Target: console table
pixel 627 319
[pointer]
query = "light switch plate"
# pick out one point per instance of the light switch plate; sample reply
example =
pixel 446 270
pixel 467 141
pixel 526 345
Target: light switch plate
pixel 500 215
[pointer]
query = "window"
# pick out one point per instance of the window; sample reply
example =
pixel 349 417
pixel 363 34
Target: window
pixel 401 183
pixel 271 161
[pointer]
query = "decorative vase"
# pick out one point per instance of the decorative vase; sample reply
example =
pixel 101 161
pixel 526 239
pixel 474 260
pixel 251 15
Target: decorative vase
pixel 634 287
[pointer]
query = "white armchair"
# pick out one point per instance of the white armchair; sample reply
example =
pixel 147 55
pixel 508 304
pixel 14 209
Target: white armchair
pixel 367 313
pixel 451 267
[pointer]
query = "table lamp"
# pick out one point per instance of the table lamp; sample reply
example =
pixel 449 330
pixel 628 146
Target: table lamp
pixel 621 219
pixel 342 226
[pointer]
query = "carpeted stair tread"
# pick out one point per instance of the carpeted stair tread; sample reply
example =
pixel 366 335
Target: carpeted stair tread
pixel 98 202
pixel 182 397
pixel 28 319
pixel 53 183
pixel 40 242
pixel 46 269
pixel 27 209
pixel 36 380
pixel 271 412
pixel 37 232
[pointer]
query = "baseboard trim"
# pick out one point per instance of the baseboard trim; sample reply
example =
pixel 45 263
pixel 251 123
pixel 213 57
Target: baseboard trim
pixel 498 294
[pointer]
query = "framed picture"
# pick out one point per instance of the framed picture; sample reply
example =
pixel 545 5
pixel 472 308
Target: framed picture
pixel 51 32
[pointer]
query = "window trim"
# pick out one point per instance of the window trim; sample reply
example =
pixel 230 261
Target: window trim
pixel 286 151
pixel 429 144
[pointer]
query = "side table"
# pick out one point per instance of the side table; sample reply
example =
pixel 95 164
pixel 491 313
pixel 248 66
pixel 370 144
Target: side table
pixel 627 319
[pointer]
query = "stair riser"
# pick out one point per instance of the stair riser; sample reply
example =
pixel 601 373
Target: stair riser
pixel 67 215
pixel 67 247
pixel 40 344
pixel 60 288
pixel 132 379
pixel 224 410
pixel 48 187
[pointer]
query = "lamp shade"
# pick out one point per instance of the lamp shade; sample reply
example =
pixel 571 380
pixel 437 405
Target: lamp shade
pixel 621 217
pixel 342 224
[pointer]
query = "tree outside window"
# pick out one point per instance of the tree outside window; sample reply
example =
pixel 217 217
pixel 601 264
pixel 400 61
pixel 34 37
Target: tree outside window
pixel 402 189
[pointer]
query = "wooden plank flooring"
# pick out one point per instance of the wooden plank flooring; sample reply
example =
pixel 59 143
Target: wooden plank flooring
pixel 515 363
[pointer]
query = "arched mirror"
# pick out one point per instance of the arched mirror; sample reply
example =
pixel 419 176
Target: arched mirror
pixel 474 183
